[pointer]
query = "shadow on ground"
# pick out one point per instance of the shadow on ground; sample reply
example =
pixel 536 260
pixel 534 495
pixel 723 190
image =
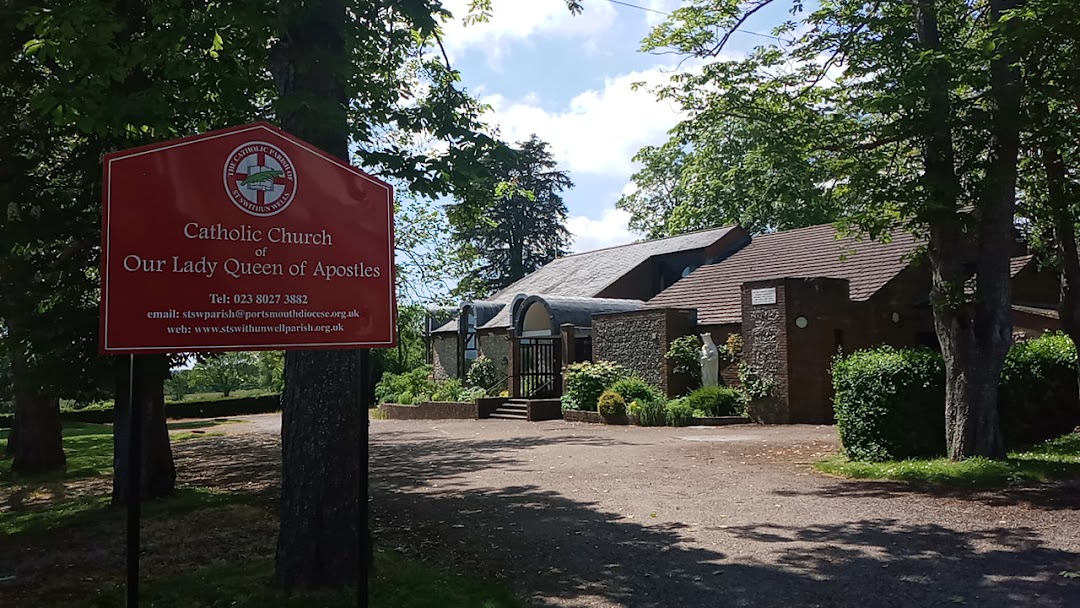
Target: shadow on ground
pixel 572 553
pixel 1062 495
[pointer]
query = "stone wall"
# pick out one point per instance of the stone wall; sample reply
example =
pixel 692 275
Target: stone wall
pixel 445 356
pixel 633 340
pixel 495 345
pixel 765 348
pixel 639 340
pixel 433 410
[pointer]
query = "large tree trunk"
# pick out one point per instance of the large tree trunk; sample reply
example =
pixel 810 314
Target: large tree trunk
pixel 324 403
pixel 158 474
pixel 974 337
pixel 322 419
pixel 36 440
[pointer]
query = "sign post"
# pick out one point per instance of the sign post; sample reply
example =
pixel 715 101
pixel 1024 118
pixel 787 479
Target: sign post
pixel 241 239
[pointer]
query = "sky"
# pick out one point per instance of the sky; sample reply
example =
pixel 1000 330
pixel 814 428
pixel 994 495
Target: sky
pixel 569 79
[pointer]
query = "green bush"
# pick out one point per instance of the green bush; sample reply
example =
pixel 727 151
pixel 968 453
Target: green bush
pixel 416 386
pixel 447 390
pixel 611 405
pixel 755 383
pixel 685 357
pixel 652 413
pixel 392 388
pixel 636 389
pixel 717 401
pixel 482 373
pixel 1037 398
pixel 678 412
pixel 890 404
pixel 584 382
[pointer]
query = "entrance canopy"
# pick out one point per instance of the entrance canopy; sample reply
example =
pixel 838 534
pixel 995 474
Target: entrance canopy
pixel 541 316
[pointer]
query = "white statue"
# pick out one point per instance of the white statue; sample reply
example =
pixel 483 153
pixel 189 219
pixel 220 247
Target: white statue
pixel 710 361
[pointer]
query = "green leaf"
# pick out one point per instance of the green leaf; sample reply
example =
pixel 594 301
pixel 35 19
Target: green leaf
pixel 33 46
pixel 262 176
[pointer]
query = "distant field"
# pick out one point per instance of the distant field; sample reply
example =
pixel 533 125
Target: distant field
pixel 69 406
pixel 255 392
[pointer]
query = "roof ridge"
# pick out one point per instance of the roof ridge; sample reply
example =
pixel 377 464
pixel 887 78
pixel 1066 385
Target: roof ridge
pixel 664 238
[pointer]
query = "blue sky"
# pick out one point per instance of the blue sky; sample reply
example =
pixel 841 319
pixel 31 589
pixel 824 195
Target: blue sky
pixel 568 79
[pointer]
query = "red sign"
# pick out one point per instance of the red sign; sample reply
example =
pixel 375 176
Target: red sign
pixel 244 239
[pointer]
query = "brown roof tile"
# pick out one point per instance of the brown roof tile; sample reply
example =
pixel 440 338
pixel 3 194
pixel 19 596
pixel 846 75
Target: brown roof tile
pixel 805 252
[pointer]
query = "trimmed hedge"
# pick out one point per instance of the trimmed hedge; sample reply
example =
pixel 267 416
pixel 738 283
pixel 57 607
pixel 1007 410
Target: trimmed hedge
pixel 890 404
pixel 584 382
pixel 636 389
pixel 611 405
pixel 713 401
pixel 1037 398
pixel 195 409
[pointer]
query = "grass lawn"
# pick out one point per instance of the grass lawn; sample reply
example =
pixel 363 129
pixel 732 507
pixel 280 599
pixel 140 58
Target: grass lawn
pixel 1056 459
pixel 205 547
pixel 399 583
pixel 43 502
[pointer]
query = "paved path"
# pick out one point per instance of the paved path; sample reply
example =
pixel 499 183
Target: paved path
pixel 588 515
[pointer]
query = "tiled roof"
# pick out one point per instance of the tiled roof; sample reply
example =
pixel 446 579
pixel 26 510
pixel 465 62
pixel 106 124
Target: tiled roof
pixel 585 275
pixel 1019 263
pixel 1049 313
pixel 814 252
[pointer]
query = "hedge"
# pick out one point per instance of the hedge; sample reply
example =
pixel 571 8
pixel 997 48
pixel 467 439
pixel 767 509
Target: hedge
pixel 709 401
pixel 1037 398
pixel 890 404
pixel 194 409
pixel 584 382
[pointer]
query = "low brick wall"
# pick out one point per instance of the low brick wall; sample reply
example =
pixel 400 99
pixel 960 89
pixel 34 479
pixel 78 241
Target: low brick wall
pixel 486 406
pixel 436 410
pixel 720 421
pixel 582 416
pixel 595 417
pixel 545 409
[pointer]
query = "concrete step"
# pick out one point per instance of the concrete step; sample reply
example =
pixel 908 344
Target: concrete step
pixel 513 407
pixel 509 416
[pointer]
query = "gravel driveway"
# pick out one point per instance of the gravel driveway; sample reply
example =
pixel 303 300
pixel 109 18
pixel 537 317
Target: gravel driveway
pixel 599 516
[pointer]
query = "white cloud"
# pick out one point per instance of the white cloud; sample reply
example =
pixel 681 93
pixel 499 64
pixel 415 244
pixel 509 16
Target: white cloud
pixel 653 18
pixel 611 229
pixel 519 20
pixel 599 131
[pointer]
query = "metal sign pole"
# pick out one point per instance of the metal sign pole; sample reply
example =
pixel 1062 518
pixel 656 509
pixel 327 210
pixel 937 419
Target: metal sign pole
pixel 362 537
pixel 134 489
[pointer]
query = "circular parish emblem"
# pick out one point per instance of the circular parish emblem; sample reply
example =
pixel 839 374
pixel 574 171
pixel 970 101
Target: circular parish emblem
pixel 260 179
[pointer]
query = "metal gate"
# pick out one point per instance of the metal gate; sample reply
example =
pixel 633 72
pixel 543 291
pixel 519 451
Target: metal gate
pixel 541 367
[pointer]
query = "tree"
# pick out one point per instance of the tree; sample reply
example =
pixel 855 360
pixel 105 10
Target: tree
pixel 226 372
pixel 179 383
pixel 1050 39
pixel 913 110
pixel 720 169
pixel 271 365
pixel 45 233
pixel 522 226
